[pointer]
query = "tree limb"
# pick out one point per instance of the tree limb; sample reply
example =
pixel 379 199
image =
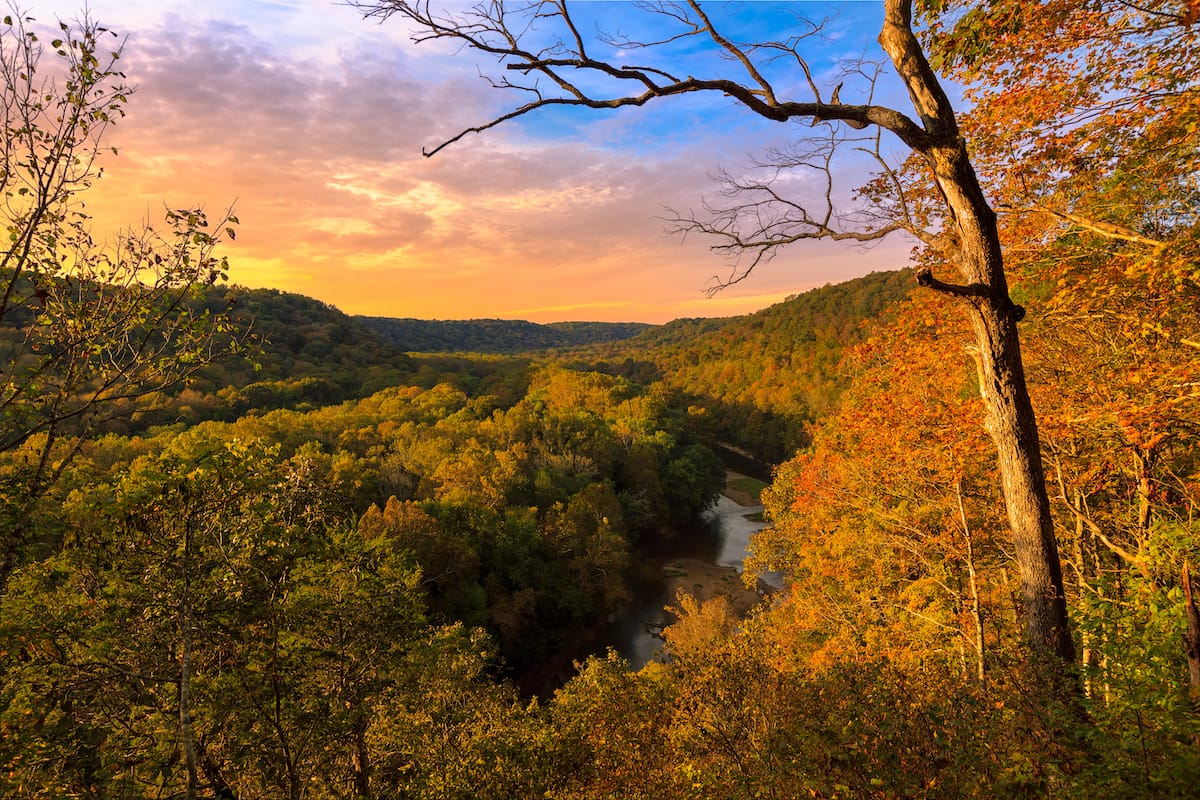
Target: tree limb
pixel 487 29
pixel 975 290
pixel 1090 524
pixel 1106 229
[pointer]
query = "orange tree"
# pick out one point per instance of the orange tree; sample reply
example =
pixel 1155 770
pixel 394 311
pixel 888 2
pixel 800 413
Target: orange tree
pixel 1085 120
pixel 888 524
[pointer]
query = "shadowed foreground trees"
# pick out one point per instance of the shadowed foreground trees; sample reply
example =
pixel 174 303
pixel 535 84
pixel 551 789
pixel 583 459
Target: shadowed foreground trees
pixel 228 607
pixel 548 59
pixel 218 627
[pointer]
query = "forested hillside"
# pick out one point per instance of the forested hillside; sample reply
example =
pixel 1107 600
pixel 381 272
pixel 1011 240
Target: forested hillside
pixel 305 354
pixel 250 549
pixel 765 377
pixel 762 378
pixel 494 335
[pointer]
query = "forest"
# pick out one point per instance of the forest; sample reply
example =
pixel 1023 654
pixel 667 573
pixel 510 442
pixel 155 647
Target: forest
pixel 254 547
pixel 495 335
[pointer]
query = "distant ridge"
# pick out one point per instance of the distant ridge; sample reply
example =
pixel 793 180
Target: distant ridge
pixel 495 336
pixel 764 377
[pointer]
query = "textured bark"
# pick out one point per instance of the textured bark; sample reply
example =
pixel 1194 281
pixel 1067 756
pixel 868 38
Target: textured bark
pixel 975 247
pixel 1191 640
pixel 1010 422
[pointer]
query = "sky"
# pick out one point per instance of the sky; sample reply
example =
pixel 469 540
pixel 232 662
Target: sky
pixel 310 122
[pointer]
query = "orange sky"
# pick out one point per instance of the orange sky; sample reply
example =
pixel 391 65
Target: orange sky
pixel 311 121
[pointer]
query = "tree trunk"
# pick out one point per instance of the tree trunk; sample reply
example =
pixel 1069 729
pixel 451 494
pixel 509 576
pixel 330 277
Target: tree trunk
pixel 1088 656
pixel 972 243
pixel 1011 424
pixel 185 667
pixel 1144 464
pixel 361 762
pixel 976 602
pixel 1191 641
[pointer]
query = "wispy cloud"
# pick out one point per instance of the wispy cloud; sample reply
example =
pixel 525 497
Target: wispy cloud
pixel 321 149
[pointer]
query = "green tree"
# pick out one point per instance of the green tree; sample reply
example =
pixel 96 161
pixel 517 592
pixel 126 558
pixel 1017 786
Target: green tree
pixel 217 627
pixel 449 564
pixel 588 534
pixel 120 632
pixel 87 328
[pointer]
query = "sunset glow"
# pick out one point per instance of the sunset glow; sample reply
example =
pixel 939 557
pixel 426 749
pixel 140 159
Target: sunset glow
pixel 310 122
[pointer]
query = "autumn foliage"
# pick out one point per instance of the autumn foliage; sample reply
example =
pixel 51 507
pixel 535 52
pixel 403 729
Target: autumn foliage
pixel 380 575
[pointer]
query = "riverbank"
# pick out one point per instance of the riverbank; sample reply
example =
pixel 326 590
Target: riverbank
pixel 697 564
pixel 742 489
pixel 705 580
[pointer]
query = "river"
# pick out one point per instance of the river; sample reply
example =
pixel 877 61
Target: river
pixel 724 542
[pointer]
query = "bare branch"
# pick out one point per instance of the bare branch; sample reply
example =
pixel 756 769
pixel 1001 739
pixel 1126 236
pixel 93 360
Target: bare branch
pixel 761 218
pixel 1084 519
pixel 493 29
pixel 767 92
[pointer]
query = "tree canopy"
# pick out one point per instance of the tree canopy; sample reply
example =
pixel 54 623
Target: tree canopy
pixel 351 571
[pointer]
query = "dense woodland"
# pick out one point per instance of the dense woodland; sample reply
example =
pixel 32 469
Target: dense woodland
pixel 495 335
pixel 764 377
pixel 252 549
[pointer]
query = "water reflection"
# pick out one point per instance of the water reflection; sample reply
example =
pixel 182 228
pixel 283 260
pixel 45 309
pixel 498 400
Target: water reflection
pixel 724 541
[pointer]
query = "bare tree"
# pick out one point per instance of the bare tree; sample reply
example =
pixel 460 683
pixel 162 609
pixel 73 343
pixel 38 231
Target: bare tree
pixel 548 60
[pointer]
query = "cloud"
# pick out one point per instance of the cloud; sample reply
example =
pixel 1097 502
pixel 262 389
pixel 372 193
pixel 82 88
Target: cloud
pixel 321 149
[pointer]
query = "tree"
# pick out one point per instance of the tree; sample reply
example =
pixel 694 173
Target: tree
pixel 1106 91
pixel 87 328
pixel 1107 95
pixel 959 230
pixel 217 627
pixel 889 522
